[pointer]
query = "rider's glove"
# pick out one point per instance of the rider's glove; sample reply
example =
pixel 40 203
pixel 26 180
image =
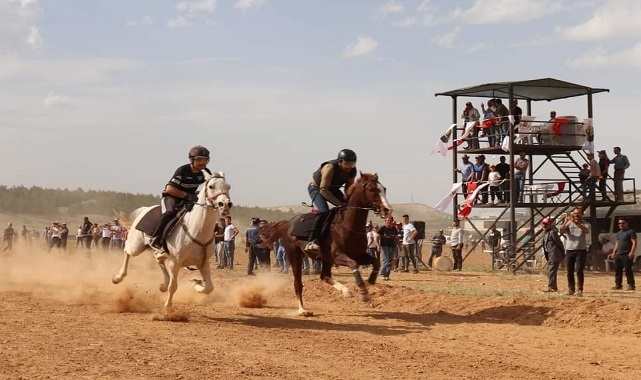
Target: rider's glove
pixel 193 198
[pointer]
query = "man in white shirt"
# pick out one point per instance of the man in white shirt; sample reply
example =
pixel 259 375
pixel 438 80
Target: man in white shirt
pixel 373 241
pixel 456 241
pixel 229 236
pixel 409 244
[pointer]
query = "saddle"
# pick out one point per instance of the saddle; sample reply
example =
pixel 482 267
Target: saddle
pixel 304 226
pixel 151 219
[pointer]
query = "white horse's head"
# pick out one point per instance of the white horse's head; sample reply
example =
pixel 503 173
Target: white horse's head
pixel 216 192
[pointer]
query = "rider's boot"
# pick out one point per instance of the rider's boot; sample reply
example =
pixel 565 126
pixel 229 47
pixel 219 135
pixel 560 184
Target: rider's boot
pixel 312 246
pixel 156 242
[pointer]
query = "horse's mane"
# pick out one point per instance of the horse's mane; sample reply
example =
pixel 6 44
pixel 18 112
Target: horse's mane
pixel 360 181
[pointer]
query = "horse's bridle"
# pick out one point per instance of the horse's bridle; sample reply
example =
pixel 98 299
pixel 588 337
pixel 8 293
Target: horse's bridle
pixel 211 199
pixel 372 207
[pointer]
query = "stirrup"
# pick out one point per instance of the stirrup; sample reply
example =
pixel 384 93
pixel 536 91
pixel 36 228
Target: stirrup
pixel 312 247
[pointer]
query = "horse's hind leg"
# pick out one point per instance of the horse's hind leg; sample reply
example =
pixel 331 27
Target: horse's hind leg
pixel 296 261
pixel 326 275
pixel 343 259
pixel 122 273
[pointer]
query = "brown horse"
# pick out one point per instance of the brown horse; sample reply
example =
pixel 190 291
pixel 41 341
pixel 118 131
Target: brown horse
pixel 345 242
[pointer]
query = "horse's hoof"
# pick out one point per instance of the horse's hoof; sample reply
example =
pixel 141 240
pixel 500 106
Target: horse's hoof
pixel 163 287
pixel 347 294
pixel 365 297
pixel 305 313
pixel 371 282
pixel 116 279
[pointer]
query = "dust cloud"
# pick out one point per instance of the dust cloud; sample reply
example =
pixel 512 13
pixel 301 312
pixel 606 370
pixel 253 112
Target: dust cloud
pixel 83 277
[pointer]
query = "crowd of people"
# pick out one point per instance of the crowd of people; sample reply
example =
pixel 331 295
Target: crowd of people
pixel 107 236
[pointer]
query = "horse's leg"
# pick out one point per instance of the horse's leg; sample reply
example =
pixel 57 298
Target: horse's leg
pixel 326 275
pixel 173 280
pixel 122 273
pixel 204 286
pixel 343 259
pixel 296 261
pixel 133 247
pixel 376 266
pixel 165 277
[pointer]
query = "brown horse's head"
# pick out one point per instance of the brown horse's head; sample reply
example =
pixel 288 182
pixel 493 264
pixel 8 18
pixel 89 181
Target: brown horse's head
pixel 368 192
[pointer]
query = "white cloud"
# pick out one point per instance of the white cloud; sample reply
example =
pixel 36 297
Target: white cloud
pixel 18 18
pixel 478 47
pixel 620 19
pixel 446 40
pixel 391 7
pixel 145 21
pixel 407 22
pixel 199 6
pixel 189 11
pixel 179 22
pixel 600 58
pixel 34 39
pixel 56 101
pixel 362 47
pixel 248 4
pixel 509 11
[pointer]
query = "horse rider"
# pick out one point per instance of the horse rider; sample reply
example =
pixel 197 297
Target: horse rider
pixel 181 188
pixel 325 187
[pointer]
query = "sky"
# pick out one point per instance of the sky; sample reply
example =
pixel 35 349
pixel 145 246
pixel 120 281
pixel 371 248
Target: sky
pixel 111 95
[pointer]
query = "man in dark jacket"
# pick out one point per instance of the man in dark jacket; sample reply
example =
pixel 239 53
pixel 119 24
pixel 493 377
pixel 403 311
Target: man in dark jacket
pixel 554 252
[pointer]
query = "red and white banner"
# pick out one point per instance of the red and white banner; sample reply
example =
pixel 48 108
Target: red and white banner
pixel 445 202
pixel 466 206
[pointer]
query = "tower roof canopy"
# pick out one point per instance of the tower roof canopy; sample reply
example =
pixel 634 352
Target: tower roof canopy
pixel 534 89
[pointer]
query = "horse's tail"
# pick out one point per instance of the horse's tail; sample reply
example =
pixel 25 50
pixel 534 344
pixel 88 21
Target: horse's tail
pixel 275 230
pixel 127 220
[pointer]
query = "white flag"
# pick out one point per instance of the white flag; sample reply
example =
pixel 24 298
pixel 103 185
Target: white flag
pixel 445 202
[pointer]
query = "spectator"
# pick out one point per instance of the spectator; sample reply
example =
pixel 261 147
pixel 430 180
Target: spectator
pixel 409 244
pixel 229 236
pixel 252 240
pixel 466 169
pixel 373 241
pixel 8 237
pixel 520 171
pixel 87 226
pixel 438 241
pixel 281 257
pixel 504 170
pixel 80 242
pixel 117 242
pixel 517 112
pixel 620 163
pixel 554 252
pixel 96 233
pixel 105 233
pixel 584 174
pixel 604 165
pixel 490 123
pixel 24 233
pixel 64 236
pixel 263 255
pixel 494 179
pixel 481 171
pixel 389 246
pixel 471 114
pixel 623 255
pixel 504 122
pixel 602 253
pixel 576 232
pixel 495 241
pixel 219 238
pixel 54 236
pixel 594 176
pixel 456 242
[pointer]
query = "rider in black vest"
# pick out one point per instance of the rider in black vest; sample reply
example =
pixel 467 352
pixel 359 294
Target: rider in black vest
pixel 326 185
pixel 181 188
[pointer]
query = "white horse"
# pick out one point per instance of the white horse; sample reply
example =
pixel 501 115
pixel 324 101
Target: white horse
pixel 191 243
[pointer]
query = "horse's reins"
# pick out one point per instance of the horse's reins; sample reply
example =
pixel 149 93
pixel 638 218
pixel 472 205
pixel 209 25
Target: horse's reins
pixel 371 208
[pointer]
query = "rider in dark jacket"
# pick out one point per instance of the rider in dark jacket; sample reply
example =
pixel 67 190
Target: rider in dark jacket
pixel 326 185
pixel 181 188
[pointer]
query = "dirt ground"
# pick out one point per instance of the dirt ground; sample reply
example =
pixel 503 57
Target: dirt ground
pixel 60 317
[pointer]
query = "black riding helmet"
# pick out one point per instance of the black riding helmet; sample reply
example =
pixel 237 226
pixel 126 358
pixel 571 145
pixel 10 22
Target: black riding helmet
pixel 198 151
pixel 346 155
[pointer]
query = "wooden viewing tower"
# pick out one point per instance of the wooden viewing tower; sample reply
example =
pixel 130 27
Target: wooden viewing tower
pixel 544 148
